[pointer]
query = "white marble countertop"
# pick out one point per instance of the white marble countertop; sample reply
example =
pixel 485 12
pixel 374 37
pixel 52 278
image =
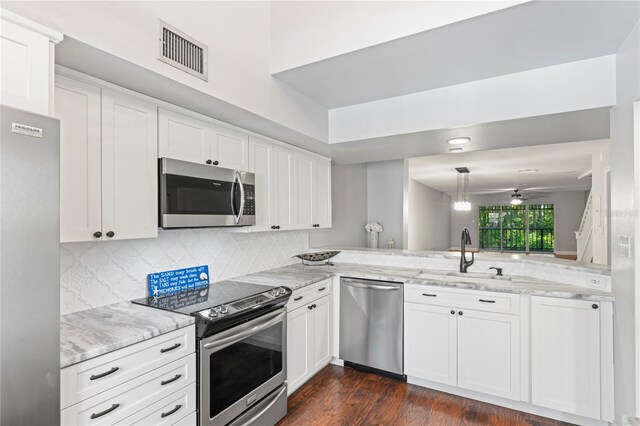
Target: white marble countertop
pixel 534 259
pixel 88 334
pixel 298 276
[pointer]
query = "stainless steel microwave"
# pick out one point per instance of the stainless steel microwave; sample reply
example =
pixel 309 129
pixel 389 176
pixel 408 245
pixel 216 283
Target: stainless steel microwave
pixel 196 195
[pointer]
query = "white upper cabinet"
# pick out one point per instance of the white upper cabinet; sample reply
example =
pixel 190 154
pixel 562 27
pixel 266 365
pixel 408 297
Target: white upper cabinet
pixel 565 355
pixel 186 138
pixel 229 148
pixel 303 190
pixel 321 193
pixel 261 163
pixel 182 137
pixel 77 107
pixel 282 199
pixel 26 64
pixel 129 167
pixel 108 155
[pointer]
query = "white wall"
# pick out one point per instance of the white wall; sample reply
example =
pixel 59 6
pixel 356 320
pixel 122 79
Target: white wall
pixel 542 91
pixel 385 181
pixel 349 215
pixel 600 166
pixel 623 220
pixel 310 31
pixel 100 273
pixel 568 206
pixel 429 218
pixel 236 33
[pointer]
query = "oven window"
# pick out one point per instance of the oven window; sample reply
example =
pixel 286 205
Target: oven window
pixel 239 369
pixel 189 195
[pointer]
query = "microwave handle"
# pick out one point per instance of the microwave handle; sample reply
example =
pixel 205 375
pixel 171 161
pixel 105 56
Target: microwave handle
pixel 236 180
pixel 241 212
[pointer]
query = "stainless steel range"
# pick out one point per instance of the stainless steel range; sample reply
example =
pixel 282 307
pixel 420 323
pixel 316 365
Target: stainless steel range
pixel 241 330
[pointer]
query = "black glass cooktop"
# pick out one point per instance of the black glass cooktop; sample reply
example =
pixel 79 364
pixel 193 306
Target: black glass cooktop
pixel 190 302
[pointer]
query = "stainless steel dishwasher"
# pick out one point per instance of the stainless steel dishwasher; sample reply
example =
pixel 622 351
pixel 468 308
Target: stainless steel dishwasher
pixel 371 324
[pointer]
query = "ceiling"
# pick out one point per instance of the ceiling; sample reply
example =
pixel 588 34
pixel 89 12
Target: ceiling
pixel 572 126
pixel 540 34
pixel 494 171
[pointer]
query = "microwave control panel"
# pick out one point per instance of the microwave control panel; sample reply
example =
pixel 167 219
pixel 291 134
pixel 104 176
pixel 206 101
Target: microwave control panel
pixel 249 201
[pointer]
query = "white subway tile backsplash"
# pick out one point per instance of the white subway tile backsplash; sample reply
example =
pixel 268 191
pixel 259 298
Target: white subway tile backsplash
pixel 105 272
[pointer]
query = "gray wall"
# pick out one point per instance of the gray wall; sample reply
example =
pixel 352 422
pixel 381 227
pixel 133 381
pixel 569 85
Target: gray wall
pixel 568 206
pixel 349 209
pixel 385 181
pixel 623 219
pixel 428 218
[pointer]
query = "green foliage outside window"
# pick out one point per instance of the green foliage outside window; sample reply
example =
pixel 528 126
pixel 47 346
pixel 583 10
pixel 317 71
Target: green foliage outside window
pixel 507 228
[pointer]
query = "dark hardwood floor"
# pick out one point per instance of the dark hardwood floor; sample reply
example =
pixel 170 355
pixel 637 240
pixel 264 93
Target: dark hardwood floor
pixel 344 396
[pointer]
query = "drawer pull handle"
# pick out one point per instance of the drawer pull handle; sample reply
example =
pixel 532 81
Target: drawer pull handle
pixel 102 413
pixel 295 299
pixel 176 346
pixel 106 373
pixel 322 289
pixel 166 382
pixel 429 294
pixel 487 301
pixel 168 413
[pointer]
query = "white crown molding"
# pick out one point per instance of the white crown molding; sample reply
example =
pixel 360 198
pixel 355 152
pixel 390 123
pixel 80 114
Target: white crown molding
pixel 52 35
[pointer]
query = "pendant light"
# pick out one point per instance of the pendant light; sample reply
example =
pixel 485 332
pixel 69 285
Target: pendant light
pixel 462 202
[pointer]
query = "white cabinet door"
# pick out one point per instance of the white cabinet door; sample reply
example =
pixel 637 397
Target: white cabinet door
pixel 229 148
pixel 298 348
pixel 565 355
pixel 322 193
pixel 129 167
pixel 25 63
pixel 489 353
pixel 302 191
pixel 430 343
pixel 321 323
pixel 182 137
pixel 261 163
pixel 282 198
pixel 77 105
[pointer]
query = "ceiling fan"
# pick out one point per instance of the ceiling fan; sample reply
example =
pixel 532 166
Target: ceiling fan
pixel 516 198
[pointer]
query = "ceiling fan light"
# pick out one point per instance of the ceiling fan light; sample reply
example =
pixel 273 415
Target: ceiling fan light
pixel 458 141
pixel 516 202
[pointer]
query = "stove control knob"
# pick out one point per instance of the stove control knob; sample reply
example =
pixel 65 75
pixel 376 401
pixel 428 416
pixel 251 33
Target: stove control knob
pixel 282 290
pixel 224 309
pixel 273 293
pixel 213 313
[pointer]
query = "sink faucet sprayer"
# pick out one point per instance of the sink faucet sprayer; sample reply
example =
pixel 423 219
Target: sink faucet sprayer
pixel 465 239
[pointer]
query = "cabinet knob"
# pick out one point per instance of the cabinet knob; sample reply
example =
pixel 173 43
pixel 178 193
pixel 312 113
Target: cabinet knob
pixel 97 234
pixel 111 234
pixel 277 226
pixel 208 161
pixel 594 306
pixel 215 163
pixel 459 312
pixel 273 227
pixel 453 312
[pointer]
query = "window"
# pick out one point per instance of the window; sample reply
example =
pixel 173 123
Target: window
pixel 517 228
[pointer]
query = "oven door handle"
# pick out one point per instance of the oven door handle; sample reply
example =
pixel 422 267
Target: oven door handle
pixel 245 331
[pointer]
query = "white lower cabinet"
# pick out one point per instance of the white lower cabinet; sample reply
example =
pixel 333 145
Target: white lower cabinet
pixel 309 333
pixel 565 355
pixel 151 382
pixel 473 349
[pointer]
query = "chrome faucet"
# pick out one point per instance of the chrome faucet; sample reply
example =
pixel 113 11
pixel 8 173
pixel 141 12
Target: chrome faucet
pixel 465 239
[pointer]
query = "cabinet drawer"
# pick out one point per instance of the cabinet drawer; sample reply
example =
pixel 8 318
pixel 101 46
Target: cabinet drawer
pixel 479 300
pixel 306 295
pixel 122 401
pixel 167 411
pixel 86 379
pixel 189 420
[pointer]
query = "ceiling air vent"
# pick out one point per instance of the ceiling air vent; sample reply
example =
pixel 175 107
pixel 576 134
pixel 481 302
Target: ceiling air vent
pixel 182 51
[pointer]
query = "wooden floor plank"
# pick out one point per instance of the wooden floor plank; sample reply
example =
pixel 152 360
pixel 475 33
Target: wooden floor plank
pixel 348 397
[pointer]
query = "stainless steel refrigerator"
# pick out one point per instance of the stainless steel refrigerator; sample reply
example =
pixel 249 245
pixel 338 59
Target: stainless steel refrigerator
pixel 29 269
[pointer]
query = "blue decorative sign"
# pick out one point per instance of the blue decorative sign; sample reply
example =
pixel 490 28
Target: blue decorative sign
pixel 179 280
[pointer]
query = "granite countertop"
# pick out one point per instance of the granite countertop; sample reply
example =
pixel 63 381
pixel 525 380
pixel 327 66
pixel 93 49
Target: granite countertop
pixel 87 334
pixel 299 276
pixel 534 259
